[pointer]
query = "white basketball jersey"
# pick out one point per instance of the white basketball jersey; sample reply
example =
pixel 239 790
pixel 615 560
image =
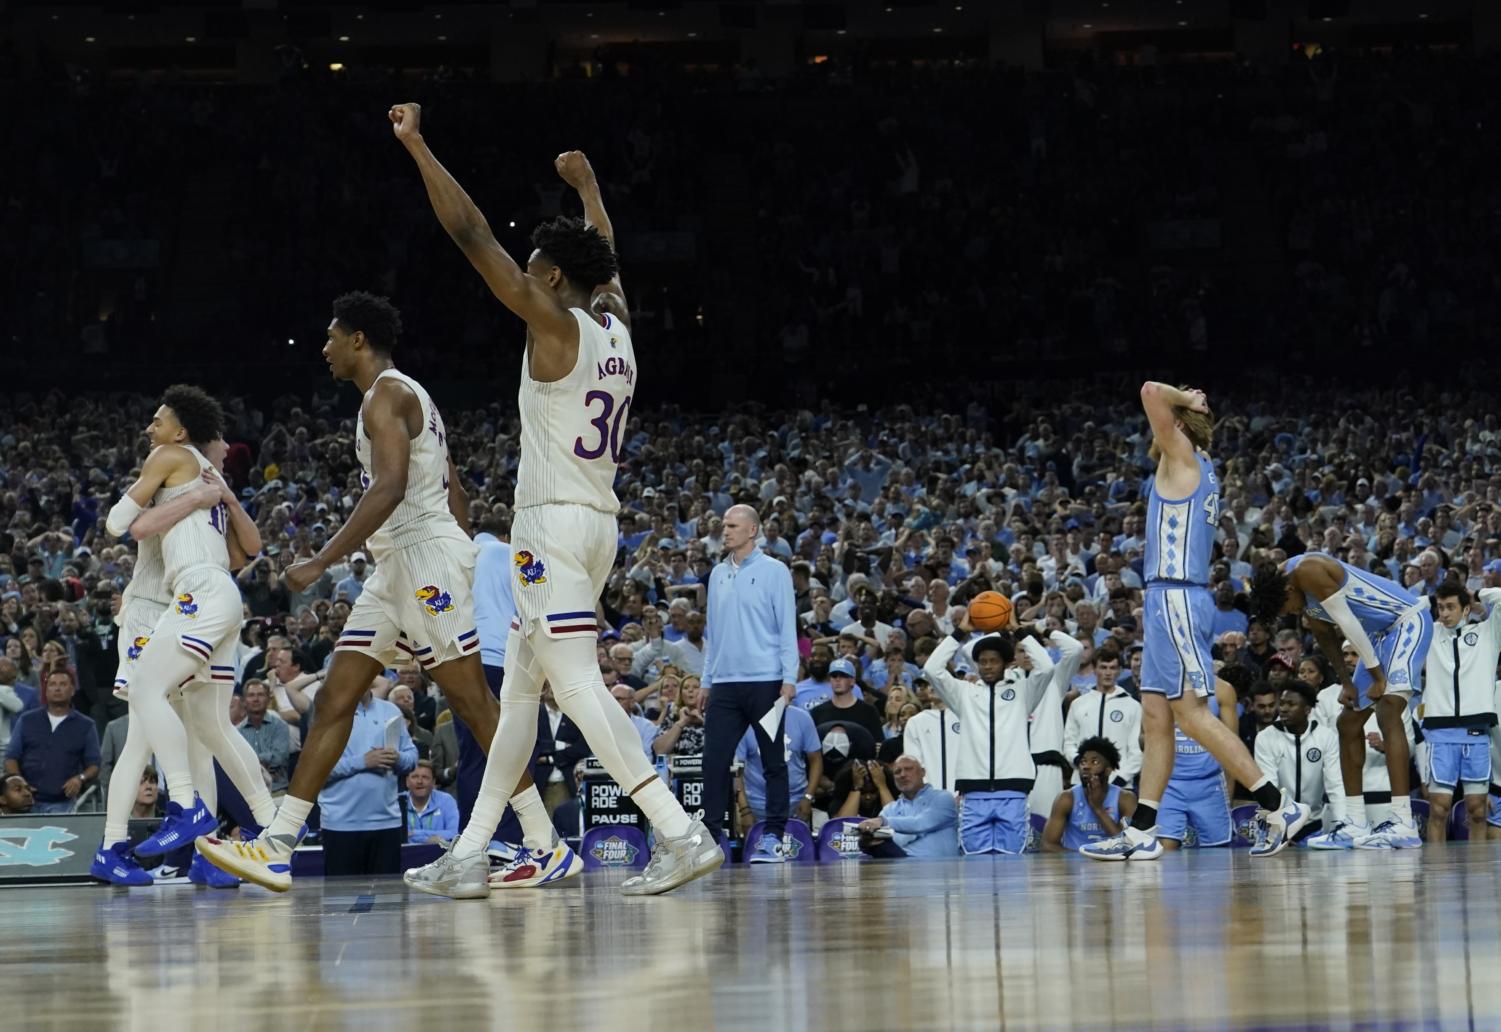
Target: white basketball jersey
pixel 148 581
pixel 422 514
pixel 198 539
pixel 573 431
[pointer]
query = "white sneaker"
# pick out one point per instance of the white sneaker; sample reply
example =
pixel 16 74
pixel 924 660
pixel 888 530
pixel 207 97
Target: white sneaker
pixel 1275 831
pixel 677 861
pixel 542 868
pixel 449 876
pixel 266 861
pixel 1391 834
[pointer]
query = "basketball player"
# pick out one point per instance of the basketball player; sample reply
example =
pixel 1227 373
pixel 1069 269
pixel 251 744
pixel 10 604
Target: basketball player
pixel 419 603
pixel 202 706
pixel 1177 671
pixel 1045 735
pixel 200 621
pixel 578 376
pixel 1197 795
pixel 1390 628
pixel 1095 807
pixel 1459 708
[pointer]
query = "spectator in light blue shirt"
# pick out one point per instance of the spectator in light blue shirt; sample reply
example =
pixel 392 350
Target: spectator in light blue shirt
pixel 804 755
pixel 361 817
pixel 350 587
pixel 924 820
pixel 432 816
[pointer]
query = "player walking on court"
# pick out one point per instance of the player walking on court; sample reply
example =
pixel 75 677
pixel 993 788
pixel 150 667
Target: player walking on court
pixel 199 623
pixel 418 604
pixel 202 706
pixel 1177 671
pixel 578 376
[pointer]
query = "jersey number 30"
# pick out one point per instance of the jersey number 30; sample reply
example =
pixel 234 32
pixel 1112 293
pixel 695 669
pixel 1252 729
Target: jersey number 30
pixel 609 432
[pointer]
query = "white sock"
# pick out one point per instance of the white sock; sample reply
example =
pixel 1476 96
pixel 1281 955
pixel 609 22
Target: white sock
pixel 290 817
pixel 1402 808
pixel 536 829
pixel 180 790
pixel 125 782
pixel 1355 811
pixel 667 816
pixel 206 714
pixel 510 749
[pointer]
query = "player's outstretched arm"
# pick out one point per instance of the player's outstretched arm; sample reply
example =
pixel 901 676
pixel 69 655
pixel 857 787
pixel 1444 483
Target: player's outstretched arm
pixel 576 171
pixel 154 473
pixel 468 227
pixel 386 421
pixel 458 498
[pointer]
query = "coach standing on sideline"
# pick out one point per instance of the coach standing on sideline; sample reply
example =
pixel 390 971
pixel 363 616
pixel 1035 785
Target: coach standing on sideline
pixel 751 659
pixel 494 609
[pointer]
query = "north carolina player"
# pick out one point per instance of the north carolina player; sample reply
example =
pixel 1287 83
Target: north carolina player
pixel 1177 671
pixel 1390 629
pixel 578 377
pixel 202 706
pixel 1197 796
pixel 201 621
pixel 418 604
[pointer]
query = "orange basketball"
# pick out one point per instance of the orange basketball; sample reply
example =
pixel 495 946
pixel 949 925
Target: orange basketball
pixel 990 611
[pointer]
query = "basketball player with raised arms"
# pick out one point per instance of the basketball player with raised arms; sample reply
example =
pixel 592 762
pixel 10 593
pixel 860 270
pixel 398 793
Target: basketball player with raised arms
pixel 200 620
pixel 1177 674
pixel 578 376
pixel 419 603
pixel 1390 629
pixel 202 705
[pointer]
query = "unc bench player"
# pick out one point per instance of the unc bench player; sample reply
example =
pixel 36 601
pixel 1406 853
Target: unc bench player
pixel 1177 671
pixel 419 603
pixel 578 376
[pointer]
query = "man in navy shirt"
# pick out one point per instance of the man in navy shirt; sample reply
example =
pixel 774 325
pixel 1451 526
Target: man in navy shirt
pixel 55 749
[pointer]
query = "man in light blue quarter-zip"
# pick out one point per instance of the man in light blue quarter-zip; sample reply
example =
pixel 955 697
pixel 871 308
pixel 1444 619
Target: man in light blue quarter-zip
pixel 750 660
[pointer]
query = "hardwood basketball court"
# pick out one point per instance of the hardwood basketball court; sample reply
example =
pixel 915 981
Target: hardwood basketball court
pixel 1203 940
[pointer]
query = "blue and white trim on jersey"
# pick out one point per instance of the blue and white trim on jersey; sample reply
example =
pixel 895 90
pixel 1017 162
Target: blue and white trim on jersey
pixel 1185 641
pixel 583 622
pixel 469 640
pixel 1174 533
pixel 356 640
pixel 222 673
pixel 197 646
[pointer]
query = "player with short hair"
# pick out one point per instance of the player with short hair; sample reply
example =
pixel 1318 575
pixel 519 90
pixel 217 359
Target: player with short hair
pixel 202 620
pixel 1183 510
pixel 418 604
pixel 1390 628
pixel 1093 809
pixel 1459 707
pixel 578 378
pixel 1301 755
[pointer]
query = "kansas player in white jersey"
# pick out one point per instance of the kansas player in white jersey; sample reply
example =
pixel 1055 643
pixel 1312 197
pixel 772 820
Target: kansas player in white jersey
pixel 200 622
pixel 578 380
pixel 1177 670
pixel 419 604
pixel 1390 629
pixel 202 705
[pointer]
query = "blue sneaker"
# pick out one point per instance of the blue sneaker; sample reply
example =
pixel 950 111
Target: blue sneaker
pixel 179 829
pixel 1130 844
pixel 201 872
pixel 115 864
pixel 1275 831
pixel 1391 834
pixel 1341 836
pixel 768 851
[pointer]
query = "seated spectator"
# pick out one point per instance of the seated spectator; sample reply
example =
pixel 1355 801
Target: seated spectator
pixel 923 820
pixel 361 819
pixel 895 700
pixel 403 699
pixel 682 729
pixel 148 801
pixel 804 768
pixel 267 734
pixel 846 705
pixel 56 749
pixel 16 795
pixel 432 816
pixel 895 746
pixel 15 699
pixel 351 587
pixel 1094 809
pixel 861 790
pixel 816 689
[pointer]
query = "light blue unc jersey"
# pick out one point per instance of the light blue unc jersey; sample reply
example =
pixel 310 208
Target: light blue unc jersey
pixel 1180 532
pixel 1192 760
pixel 1377 603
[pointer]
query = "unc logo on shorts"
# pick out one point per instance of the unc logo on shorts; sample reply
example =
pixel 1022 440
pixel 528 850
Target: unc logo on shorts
pixel 187 607
pixel 1008 694
pixel 1116 716
pixel 1472 638
pixel 434 599
pixel 1196 680
pixel 530 569
pixel 1314 755
pixel 1397 677
pixel 138 643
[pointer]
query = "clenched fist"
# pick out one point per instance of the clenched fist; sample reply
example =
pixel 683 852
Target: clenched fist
pixel 575 169
pixel 406 120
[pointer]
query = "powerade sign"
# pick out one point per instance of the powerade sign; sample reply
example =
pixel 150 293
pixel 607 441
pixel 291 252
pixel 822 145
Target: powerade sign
pixel 48 847
pixel 605 804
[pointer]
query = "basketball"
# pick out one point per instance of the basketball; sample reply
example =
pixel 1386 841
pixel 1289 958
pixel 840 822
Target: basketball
pixel 990 611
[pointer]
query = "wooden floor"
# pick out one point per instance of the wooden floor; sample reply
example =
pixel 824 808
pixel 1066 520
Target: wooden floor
pixel 1201 940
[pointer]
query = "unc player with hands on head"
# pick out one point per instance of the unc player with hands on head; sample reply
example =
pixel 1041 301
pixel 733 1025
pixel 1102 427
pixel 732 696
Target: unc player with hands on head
pixel 1390 629
pixel 578 378
pixel 180 621
pixel 1177 669
pixel 418 604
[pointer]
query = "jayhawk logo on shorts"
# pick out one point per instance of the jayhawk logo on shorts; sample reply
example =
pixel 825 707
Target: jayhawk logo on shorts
pixel 136 645
pixel 434 599
pixel 531 569
pixel 187 607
